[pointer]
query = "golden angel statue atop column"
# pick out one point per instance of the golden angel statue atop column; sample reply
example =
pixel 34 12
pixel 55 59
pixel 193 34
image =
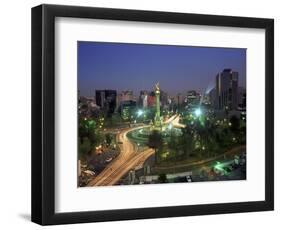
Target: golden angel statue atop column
pixel 157 86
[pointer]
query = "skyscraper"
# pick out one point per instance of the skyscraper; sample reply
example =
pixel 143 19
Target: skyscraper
pixel 193 97
pixel 151 100
pixel 212 96
pixel 163 98
pixel 143 98
pixel 227 90
pixel 126 95
pixel 242 97
pixel 127 109
pixel 106 99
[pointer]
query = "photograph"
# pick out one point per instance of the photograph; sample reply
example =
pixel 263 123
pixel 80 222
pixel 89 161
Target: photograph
pixel 141 113
pixel 155 114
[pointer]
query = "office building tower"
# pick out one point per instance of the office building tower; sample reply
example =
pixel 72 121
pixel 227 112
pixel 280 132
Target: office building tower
pixel 227 90
pixel 106 99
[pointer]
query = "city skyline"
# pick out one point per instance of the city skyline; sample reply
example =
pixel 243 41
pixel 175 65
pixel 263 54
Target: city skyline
pixel 122 66
pixel 144 117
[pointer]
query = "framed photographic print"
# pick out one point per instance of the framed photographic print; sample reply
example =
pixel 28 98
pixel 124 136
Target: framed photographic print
pixel 141 114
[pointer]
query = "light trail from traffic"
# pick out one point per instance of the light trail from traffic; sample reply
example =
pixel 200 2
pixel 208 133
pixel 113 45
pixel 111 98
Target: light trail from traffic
pixel 128 159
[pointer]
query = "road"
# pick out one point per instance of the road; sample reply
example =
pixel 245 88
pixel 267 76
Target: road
pixel 206 162
pixel 176 122
pixel 170 119
pixel 126 160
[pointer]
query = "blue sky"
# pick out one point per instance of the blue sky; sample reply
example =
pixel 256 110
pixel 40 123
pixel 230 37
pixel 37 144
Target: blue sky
pixel 136 67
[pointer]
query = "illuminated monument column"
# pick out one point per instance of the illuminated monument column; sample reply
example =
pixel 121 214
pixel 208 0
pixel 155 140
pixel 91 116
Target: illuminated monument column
pixel 157 118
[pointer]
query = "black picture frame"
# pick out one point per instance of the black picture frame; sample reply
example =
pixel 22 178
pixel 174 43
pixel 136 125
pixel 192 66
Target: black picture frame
pixel 43 110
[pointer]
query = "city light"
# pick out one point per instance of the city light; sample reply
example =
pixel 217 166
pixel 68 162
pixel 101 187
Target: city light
pixel 198 112
pixel 170 126
pixel 131 133
pixel 219 166
pixel 139 113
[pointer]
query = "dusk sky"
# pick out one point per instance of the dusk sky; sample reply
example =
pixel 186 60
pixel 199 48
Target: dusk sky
pixel 123 66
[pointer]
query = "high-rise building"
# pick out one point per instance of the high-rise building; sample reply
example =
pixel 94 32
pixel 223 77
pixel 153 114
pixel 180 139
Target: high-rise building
pixel 126 95
pixel 127 109
pixel 180 99
pixel 106 99
pixel 193 97
pixel 163 98
pixel 241 97
pixel 227 90
pixel 151 100
pixel 212 96
pixel 143 98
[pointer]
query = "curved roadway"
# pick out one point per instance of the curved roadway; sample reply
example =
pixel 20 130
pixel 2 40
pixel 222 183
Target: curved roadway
pixel 128 158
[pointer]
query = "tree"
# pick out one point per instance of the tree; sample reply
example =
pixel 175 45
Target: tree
pixel 95 137
pixel 235 124
pixel 174 146
pixel 162 178
pixel 83 130
pixel 242 137
pixel 86 126
pixel 173 143
pixel 186 141
pixel 108 139
pixel 155 141
pixel 203 137
pixel 85 148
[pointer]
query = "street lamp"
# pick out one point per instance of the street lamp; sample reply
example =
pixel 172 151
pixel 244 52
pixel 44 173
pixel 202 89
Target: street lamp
pixel 140 112
pixel 198 112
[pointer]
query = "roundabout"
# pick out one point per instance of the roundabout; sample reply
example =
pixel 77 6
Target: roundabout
pixel 140 136
pixel 166 128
